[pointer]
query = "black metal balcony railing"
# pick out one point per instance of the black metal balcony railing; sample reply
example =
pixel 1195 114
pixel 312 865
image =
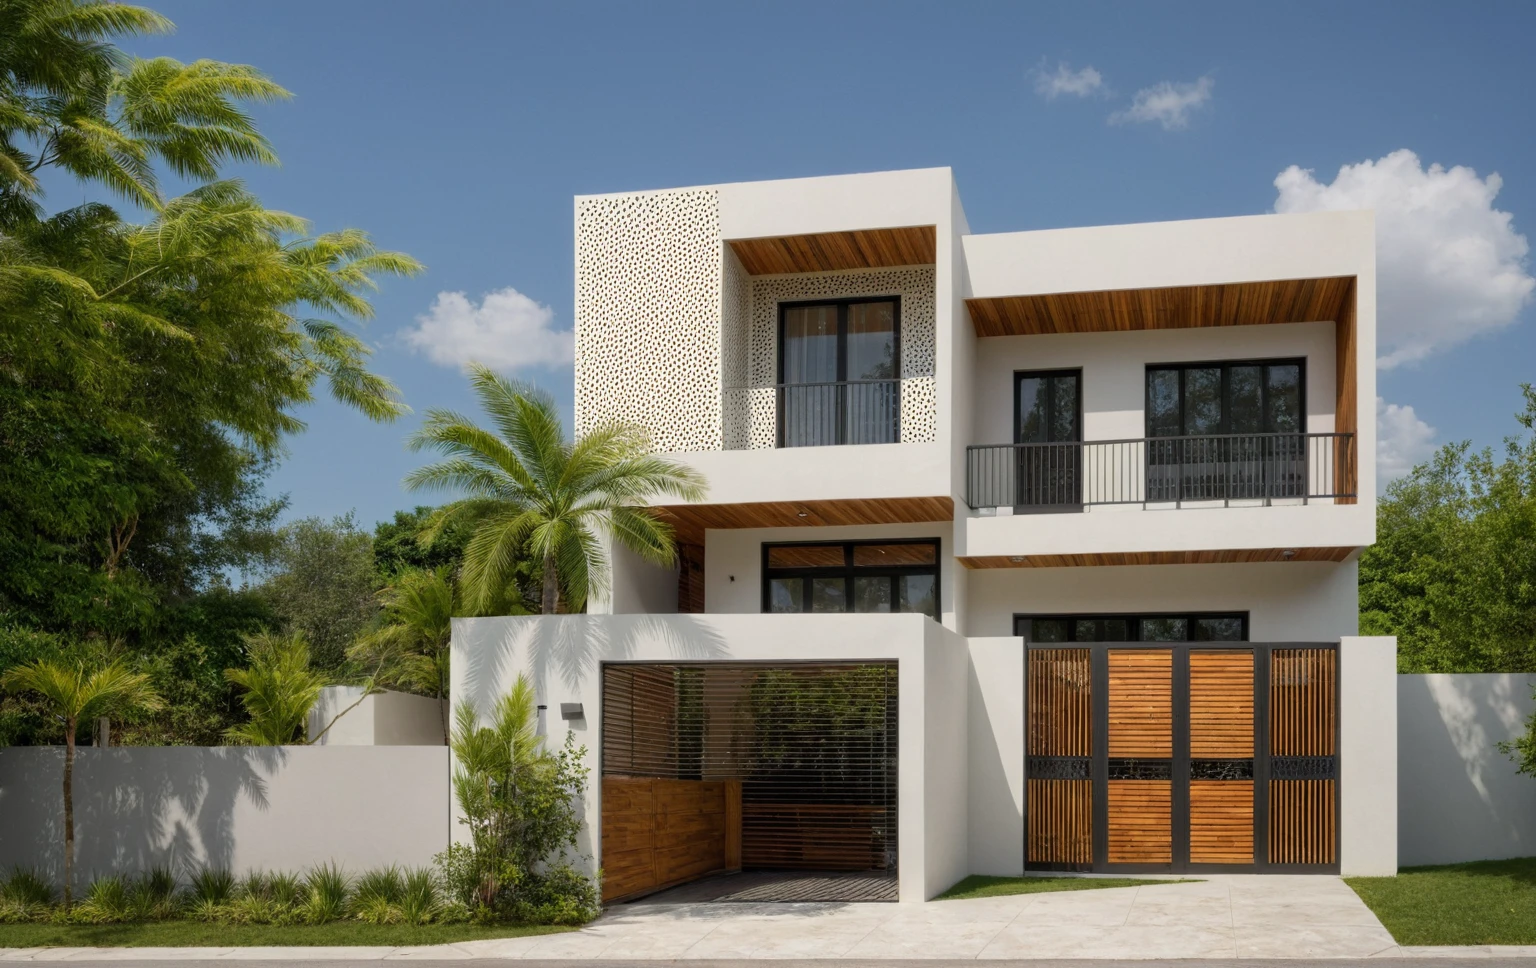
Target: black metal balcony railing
pixel 1161 470
pixel 846 412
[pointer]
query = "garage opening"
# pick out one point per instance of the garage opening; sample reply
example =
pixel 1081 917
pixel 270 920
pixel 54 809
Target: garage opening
pixel 749 782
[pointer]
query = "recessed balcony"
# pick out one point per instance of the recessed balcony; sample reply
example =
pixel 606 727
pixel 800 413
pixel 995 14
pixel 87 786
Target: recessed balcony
pixel 1185 471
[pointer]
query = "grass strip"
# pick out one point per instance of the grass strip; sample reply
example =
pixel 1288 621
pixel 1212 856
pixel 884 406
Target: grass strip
pixel 1484 902
pixel 981 885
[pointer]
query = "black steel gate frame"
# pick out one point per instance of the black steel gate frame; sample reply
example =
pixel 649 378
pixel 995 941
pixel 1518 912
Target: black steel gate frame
pixel 1179 813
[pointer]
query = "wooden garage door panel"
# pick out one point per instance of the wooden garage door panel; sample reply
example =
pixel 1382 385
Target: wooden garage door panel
pixel 1221 821
pixel 1140 821
pixel 1141 703
pixel 1061 823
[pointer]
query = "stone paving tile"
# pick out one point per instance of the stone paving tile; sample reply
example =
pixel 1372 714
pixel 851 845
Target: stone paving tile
pixel 1204 911
pixel 1462 951
pixel 1125 941
pixel 911 939
pixel 1312 941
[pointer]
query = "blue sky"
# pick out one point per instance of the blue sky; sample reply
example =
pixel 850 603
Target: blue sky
pixel 459 132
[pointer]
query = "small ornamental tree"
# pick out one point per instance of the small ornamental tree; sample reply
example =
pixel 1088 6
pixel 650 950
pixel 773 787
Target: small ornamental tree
pixel 521 804
pixel 75 694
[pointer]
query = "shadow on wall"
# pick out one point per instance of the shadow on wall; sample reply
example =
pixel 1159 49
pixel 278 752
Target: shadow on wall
pixel 135 808
pixel 1459 798
pixel 571 647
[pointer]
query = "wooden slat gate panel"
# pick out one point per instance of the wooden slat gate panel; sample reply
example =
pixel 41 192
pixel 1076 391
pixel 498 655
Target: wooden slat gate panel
pixel 1181 757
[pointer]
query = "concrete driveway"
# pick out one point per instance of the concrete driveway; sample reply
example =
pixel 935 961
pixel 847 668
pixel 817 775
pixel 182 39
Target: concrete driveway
pixel 1217 917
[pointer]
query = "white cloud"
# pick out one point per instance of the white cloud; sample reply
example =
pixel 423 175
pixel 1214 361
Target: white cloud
pixel 1449 265
pixel 1168 103
pixel 1402 441
pixel 506 331
pixel 1064 80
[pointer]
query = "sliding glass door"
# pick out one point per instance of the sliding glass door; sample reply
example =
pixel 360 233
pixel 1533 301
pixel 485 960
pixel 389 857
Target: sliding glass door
pixel 839 373
pixel 1048 430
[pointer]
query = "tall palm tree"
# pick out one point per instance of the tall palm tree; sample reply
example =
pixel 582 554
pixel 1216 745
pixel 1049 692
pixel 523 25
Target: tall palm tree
pixel 410 648
pixel 530 491
pixel 280 689
pixel 77 695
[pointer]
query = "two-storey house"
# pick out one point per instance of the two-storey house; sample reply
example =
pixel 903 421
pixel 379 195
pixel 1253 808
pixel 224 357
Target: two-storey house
pixel 1033 550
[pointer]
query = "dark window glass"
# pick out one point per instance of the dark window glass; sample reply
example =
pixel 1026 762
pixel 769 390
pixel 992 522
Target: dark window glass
pixel 829 595
pixel 872 594
pixel 1051 630
pixel 886 576
pixel 810 344
pixel 1286 412
pixel 1223 628
pixel 1064 408
pixel 1246 391
pixel 1033 410
pixel 1103 630
pixel 872 341
pixel 920 593
pixel 1164 629
pixel 1202 402
pixel 1163 403
pixel 1134 628
pixel 786 595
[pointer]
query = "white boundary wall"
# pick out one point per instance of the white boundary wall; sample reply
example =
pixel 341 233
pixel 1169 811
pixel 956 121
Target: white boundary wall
pixel 1459 798
pixel 238 808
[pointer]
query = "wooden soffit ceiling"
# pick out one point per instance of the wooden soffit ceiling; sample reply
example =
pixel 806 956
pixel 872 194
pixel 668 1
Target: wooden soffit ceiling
pixel 830 251
pixel 1177 307
pixel 1161 558
pixel 691 520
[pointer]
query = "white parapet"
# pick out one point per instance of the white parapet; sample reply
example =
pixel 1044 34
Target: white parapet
pixel 1368 755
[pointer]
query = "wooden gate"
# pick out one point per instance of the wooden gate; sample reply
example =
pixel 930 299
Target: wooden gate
pixel 1181 757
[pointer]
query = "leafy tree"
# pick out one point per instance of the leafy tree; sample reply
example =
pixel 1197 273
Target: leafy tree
pixel 1453 570
pixel 73 694
pixel 280 689
pixel 397 545
pixel 1523 749
pixel 150 372
pixel 531 492
pixel 410 647
pixel 324 585
pixel 519 802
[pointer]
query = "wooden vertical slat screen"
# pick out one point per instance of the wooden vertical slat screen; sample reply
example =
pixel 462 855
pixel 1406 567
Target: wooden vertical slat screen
pixel 1059 698
pixel 1303 722
pixel 1141 703
pixel 1140 727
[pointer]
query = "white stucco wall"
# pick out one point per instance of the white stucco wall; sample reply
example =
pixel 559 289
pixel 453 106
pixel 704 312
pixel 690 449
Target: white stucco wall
pixel 995 756
pixel 236 808
pixel 382 719
pixel 733 562
pixel 563 658
pixel 1368 735
pixel 1459 798
pixel 1285 601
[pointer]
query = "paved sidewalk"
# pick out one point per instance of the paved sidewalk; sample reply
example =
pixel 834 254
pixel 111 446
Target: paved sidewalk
pixel 1222 917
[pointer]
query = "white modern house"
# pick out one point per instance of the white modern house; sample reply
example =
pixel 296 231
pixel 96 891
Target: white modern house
pixel 1022 551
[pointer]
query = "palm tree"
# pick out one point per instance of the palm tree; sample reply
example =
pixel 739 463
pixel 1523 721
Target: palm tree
pixel 75 695
pixel 530 491
pixel 411 647
pixel 280 690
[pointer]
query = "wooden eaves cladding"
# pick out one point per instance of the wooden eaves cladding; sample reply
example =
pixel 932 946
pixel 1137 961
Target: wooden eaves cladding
pixel 835 251
pixel 691 520
pixel 1330 299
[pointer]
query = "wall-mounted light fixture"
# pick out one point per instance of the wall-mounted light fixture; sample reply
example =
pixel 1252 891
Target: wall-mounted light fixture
pixel 571 710
pixel 1288 554
pixel 539 726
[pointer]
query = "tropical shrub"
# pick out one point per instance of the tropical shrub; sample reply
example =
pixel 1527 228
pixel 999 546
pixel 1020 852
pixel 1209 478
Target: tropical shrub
pixel 521 805
pixel 279 690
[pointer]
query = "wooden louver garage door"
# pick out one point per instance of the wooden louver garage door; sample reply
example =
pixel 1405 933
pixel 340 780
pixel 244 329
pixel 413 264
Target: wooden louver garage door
pixel 810 749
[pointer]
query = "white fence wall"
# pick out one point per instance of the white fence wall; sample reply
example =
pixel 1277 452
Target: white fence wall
pixel 240 808
pixel 1459 798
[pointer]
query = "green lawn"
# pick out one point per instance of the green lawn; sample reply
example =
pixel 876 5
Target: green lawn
pixel 980 885
pixel 1487 902
pixel 175 934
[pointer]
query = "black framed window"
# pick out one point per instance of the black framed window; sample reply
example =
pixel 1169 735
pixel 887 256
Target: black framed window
pixel 1224 430
pixel 1134 627
pixel 839 372
pixel 852 576
pixel 1245 397
pixel 1048 426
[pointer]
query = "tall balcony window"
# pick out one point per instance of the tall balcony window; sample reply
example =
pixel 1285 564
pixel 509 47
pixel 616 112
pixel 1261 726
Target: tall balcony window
pixel 839 379
pixel 1218 430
